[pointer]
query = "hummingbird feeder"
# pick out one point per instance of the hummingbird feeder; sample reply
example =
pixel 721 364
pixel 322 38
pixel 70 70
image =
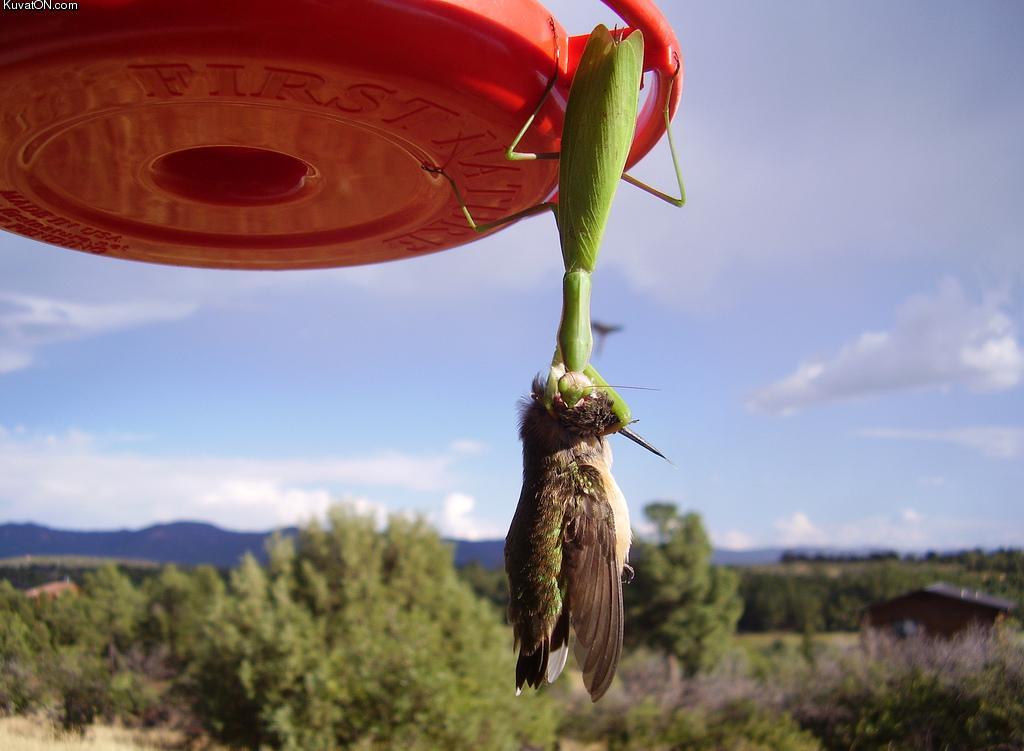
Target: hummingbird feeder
pixel 286 134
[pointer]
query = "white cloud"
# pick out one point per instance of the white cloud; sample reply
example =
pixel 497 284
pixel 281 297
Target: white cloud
pixel 457 519
pixel 468 446
pixel 366 507
pixel 29 322
pixel 903 529
pixel 997 442
pixel 292 505
pixel 72 480
pixel 733 539
pixel 910 516
pixel 799 530
pixel 13 359
pixel 940 340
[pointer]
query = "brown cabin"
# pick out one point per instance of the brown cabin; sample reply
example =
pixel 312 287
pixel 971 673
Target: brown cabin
pixel 937 610
pixel 52 589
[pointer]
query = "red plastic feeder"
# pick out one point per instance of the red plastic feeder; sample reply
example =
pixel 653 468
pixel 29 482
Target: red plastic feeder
pixel 285 134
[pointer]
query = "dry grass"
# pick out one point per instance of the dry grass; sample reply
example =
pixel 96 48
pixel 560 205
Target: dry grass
pixel 37 734
pixel 568 744
pixel 768 639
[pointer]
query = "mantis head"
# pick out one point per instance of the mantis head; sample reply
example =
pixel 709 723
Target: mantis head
pixel 568 393
pixel 566 389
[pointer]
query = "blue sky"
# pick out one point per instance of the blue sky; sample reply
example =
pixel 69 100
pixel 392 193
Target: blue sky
pixel 833 321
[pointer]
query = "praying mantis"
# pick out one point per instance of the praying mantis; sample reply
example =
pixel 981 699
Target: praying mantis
pixel 600 118
pixel 566 549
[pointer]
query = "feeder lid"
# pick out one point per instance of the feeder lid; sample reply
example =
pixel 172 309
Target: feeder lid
pixel 275 135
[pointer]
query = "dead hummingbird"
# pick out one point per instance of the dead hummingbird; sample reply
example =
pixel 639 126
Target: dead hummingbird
pixel 566 549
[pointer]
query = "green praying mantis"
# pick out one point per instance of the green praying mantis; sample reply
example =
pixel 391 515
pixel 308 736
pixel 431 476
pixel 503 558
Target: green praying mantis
pixel 600 119
pixel 567 546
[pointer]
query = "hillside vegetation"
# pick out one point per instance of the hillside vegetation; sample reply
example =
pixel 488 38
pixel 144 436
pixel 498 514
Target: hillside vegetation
pixel 353 637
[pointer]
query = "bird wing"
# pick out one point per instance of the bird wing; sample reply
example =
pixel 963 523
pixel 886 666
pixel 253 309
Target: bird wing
pixel 534 563
pixel 594 590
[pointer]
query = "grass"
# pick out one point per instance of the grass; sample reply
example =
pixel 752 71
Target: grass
pixel 771 639
pixel 73 561
pixel 37 734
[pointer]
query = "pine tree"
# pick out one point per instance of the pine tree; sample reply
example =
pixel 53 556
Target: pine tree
pixel 679 603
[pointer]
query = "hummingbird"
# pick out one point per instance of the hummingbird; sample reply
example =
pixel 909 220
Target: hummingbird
pixel 567 547
pixel 603 330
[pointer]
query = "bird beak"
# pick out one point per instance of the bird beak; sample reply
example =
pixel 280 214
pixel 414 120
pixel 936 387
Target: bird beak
pixel 638 440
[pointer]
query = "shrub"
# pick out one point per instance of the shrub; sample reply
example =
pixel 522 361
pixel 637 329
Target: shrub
pixel 919 694
pixel 353 636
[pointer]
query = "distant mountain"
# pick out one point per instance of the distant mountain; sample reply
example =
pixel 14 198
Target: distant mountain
pixel 491 554
pixel 488 553
pixel 192 543
pixel 188 543
pixel 748 557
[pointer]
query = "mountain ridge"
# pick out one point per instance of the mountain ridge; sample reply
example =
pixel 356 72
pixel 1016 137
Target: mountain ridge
pixel 187 542
pixel 193 542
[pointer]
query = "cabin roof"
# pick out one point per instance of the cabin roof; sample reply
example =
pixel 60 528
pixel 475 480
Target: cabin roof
pixel 970 595
pixel 954 592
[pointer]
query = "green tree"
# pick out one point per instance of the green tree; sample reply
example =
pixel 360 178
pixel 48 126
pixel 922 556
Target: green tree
pixel 24 642
pixel 664 516
pixel 679 603
pixel 490 584
pixel 110 609
pixel 177 603
pixel 354 638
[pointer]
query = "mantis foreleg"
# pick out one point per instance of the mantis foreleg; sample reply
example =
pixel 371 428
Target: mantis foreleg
pixel 572 377
pixel 678 202
pixel 575 336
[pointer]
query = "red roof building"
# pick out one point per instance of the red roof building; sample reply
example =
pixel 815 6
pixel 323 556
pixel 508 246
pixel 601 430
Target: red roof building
pixel 52 589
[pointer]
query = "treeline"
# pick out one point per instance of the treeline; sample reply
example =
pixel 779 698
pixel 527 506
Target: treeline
pixel 29 571
pixel 1005 560
pixel 804 593
pixel 824 594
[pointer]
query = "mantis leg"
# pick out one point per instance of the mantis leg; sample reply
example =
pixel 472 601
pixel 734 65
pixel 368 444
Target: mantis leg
pixel 572 377
pixel 574 341
pixel 678 202
pixel 488 226
pixel 575 336
pixel 510 153
pixel 619 407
